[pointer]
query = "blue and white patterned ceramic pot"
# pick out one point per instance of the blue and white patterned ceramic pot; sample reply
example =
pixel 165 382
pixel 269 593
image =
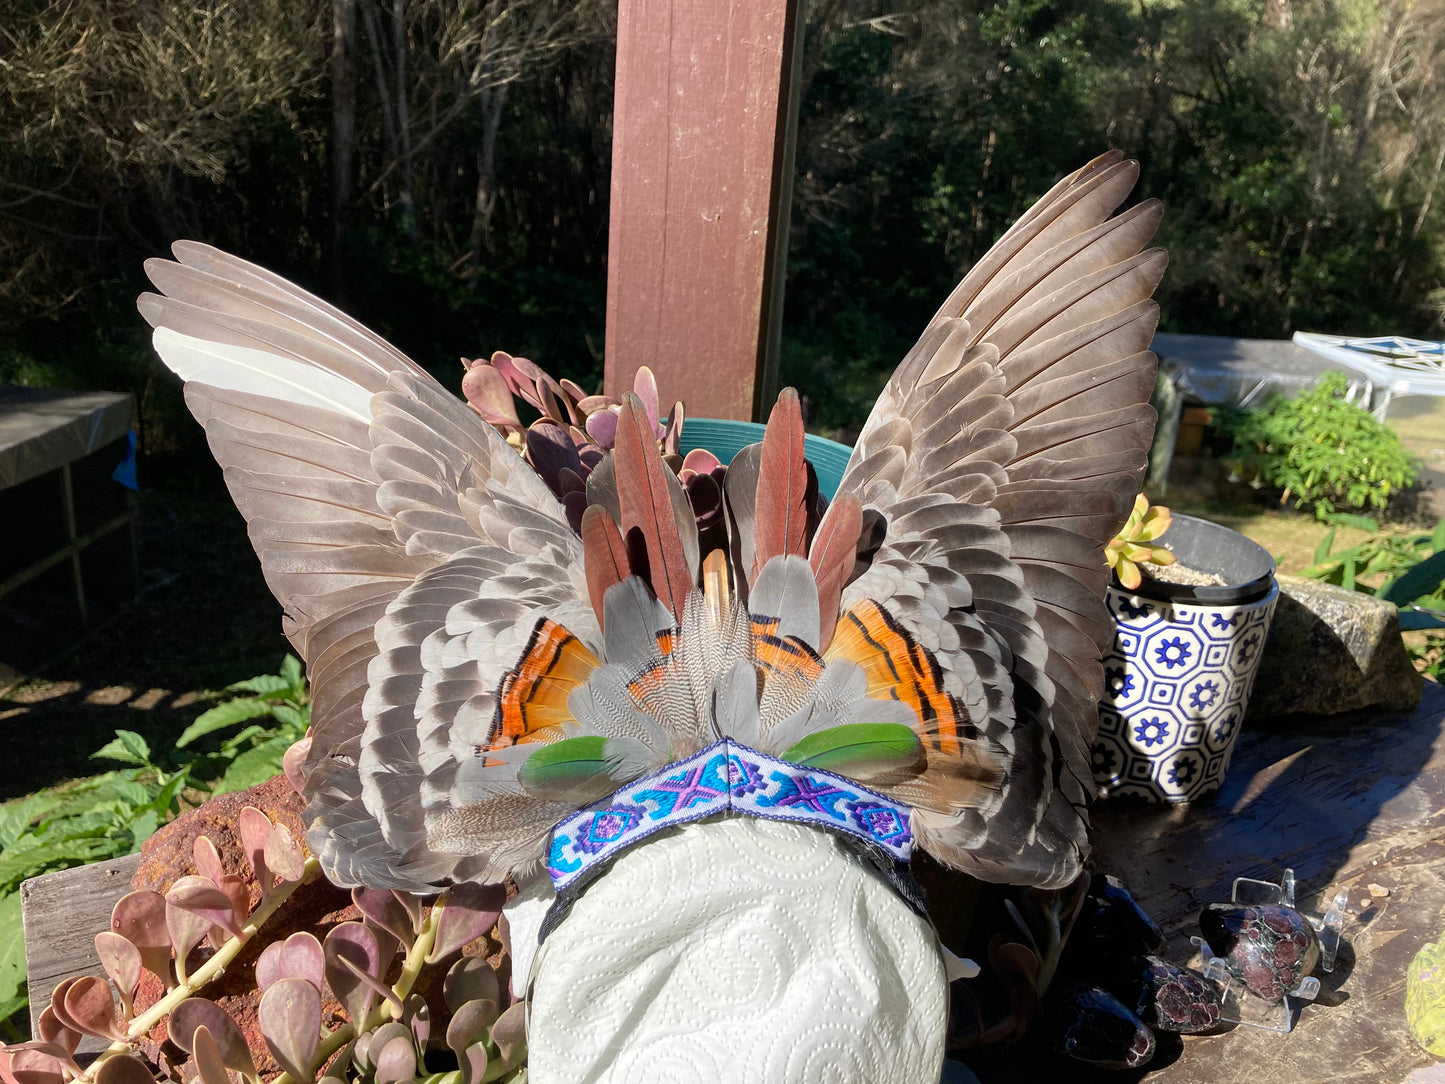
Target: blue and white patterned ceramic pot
pixel 1178 676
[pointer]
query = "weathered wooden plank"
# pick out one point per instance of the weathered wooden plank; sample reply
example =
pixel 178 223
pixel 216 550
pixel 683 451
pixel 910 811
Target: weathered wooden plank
pixel 701 182
pixel 62 913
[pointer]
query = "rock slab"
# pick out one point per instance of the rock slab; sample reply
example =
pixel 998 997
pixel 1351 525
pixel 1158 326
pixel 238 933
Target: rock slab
pixel 1331 650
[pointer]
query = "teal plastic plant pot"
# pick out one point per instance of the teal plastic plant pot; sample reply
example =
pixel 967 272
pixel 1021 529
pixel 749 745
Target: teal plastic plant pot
pixel 1178 675
pixel 725 438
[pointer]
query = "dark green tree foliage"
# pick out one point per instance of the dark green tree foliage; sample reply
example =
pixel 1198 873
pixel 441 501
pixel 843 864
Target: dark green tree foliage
pixel 1299 145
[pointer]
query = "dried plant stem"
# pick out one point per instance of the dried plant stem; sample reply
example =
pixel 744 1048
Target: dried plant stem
pixel 212 968
pixel 411 967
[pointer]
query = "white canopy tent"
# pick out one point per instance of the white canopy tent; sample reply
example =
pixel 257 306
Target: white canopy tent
pixel 1394 364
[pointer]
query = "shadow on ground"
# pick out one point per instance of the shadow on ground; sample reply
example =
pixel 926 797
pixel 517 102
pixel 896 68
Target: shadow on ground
pixel 203 620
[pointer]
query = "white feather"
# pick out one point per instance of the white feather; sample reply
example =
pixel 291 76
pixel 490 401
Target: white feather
pixel 259 372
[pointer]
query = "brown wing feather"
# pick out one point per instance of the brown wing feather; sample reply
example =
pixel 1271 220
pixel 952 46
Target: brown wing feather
pixel 604 553
pixel 1026 397
pixel 833 554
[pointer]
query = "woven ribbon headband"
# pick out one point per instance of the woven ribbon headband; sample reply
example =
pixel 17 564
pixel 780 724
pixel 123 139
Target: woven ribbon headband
pixel 724 778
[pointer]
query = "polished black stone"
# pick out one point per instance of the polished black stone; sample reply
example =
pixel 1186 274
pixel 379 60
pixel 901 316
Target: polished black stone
pixel 1099 1029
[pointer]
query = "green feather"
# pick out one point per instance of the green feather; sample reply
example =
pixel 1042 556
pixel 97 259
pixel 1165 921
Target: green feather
pixel 856 746
pixel 568 768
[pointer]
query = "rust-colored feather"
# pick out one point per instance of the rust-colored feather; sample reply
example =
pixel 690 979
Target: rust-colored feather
pixel 533 695
pixel 604 554
pixel 780 518
pixel 897 668
pixel 835 548
pixel 646 505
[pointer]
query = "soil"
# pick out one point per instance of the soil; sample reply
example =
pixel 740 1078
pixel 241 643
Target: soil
pixel 1177 573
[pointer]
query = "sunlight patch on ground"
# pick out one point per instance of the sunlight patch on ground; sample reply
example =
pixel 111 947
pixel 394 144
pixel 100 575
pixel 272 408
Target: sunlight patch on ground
pixel 37 691
pixel 1291 538
pixel 147 700
pixel 110 696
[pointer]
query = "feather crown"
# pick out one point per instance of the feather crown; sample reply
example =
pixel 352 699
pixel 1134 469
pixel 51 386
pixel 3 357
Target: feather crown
pixel 489 653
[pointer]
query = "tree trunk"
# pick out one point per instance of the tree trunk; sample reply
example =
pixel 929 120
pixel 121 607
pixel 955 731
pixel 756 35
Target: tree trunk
pixel 403 122
pixel 343 137
pixel 486 199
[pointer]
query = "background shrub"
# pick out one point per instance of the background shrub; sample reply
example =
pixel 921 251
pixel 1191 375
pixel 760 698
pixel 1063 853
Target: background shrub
pixel 1326 453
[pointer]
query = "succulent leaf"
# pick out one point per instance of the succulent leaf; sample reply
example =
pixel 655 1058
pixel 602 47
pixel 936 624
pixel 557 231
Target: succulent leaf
pixel 200 897
pixel 355 942
pixel 209 1065
pixel 470 1024
pixel 123 1069
pixel 254 828
pixel 198 1012
pixel 1130 548
pixel 468 980
pixel 293 763
pixel 383 908
pixel 208 861
pixel 290 1020
pixel 90 1005
pixel 53 1031
pixel 468 911
pixel 140 917
pixel 283 854
pixel 121 961
pixel 509 1033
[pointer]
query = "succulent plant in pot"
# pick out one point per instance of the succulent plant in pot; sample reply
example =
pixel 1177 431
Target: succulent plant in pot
pixel 1133 546
pixel 1186 648
pixel 242 960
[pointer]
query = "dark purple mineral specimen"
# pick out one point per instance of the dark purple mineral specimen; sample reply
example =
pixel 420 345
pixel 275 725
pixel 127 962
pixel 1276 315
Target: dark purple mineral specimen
pixel 1099 1029
pixel 1176 999
pixel 1269 949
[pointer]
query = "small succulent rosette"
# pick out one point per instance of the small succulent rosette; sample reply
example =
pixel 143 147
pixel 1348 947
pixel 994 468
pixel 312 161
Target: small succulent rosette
pixel 1176 684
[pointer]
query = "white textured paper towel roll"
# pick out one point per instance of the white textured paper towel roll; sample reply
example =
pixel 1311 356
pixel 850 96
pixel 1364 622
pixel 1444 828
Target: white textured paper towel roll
pixel 737 950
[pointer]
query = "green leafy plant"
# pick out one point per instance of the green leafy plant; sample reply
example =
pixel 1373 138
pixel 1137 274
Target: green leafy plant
pixel 1131 547
pixel 1408 570
pixel 1324 452
pixel 89 820
pixel 112 814
pixel 253 754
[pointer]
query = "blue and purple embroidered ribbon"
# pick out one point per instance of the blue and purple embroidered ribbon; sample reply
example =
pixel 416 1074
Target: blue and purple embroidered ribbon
pixel 726 776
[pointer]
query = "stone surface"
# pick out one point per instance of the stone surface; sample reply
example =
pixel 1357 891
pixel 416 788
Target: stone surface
pixel 1331 650
pixel 1099 1029
pixel 1345 801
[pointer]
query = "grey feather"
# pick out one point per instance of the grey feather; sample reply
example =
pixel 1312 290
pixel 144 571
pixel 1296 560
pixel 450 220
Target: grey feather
pixel 734 703
pixel 632 618
pixel 785 589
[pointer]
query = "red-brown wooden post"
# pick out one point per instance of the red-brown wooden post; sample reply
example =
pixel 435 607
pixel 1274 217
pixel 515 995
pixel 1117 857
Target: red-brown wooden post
pixel 701 183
